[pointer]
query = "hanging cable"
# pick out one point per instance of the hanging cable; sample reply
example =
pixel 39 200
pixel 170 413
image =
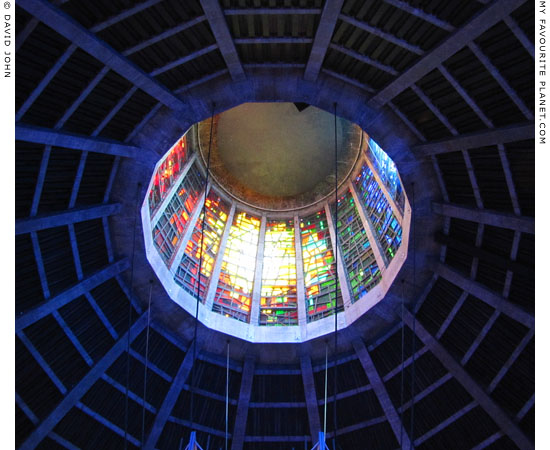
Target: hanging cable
pixel 336 266
pixel 200 268
pixel 146 365
pixel 130 319
pixel 326 384
pixel 226 398
pixel 402 359
pixel 411 437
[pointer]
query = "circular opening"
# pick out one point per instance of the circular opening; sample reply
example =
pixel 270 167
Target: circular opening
pixel 267 273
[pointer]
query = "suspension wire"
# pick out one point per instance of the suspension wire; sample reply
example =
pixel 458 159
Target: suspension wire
pixel 402 359
pixel 336 266
pixel 146 365
pixel 326 383
pixel 130 319
pixel 411 437
pixel 226 397
pixel 200 269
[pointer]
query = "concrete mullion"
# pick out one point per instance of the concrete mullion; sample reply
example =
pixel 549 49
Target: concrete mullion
pixel 300 281
pixel 395 209
pixel 258 272
pixel 381 259
pixel 172 191
pixel 214 278
pixel 182 244
pixel 341 272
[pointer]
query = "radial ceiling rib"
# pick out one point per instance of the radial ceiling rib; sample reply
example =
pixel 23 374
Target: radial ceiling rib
pixel 491 298
pixel 38 135
pixel 381 392
pixel 218 25
pixel 74 396
pixel 242 408
pixel 311 397
pixel 170 399
pixel 478 139
pixel 323 35
pixel 491 15
pixel 487 217
pixel 53 304
pixel 477 393
pixel 66 217
pixel 77 34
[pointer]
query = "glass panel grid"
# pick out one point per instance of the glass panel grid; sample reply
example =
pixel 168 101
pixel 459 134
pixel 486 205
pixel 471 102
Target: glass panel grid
pixel 174 219
pixel 388 173
pixel 216 211
pixel 362 269
pixel 278 303
pixel 167 173
pixel 319 267
pixel 378 209
pixel 234 292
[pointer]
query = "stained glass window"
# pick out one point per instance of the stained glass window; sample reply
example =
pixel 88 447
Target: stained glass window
pixel 388 172
pixel 379 211
pixel 234 293
pixel 363 271
pixel 167 173
pixel 278 295
pixel 174 219
pixel 319 267
pixel 214 224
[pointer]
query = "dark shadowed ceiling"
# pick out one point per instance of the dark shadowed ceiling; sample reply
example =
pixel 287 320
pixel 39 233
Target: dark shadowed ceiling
pixel 103 88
